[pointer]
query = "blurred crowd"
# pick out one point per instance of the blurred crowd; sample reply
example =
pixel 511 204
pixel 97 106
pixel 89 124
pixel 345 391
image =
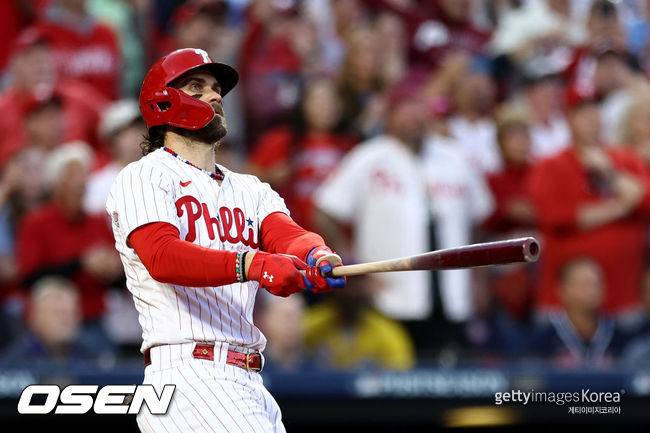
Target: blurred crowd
pixel 391 127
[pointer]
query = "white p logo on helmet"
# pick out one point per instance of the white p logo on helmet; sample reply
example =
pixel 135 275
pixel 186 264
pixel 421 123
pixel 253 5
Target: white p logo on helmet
pixel 202 53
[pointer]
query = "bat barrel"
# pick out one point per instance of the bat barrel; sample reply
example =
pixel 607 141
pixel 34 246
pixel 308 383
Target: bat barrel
pixel 522 250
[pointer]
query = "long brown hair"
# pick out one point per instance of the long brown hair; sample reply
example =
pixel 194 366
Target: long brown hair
pixel 155 139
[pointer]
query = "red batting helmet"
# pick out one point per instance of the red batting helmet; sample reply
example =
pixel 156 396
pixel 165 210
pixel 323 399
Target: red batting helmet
pixel 164 105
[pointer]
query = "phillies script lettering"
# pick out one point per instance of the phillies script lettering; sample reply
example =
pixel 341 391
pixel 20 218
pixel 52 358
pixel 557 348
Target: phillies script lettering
pixel 224 222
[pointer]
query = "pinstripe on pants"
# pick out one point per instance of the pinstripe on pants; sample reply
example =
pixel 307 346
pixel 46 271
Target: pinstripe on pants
pixel 210 396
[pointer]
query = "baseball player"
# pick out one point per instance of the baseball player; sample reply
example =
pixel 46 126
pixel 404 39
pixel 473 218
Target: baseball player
pixel 197 241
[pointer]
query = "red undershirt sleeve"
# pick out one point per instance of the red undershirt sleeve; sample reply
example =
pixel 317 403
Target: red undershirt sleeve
pixel 172 260
pixel 281 235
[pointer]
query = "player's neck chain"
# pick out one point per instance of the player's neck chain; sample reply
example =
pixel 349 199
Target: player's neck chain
pixel 216 176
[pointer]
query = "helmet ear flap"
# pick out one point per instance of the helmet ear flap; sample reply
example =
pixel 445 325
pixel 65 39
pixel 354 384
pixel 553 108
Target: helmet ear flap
pixel 156 107
pixel 174 107
pixel 160 102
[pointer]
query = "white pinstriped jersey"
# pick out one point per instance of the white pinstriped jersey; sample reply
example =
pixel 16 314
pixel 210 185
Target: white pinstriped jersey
pixel 162 188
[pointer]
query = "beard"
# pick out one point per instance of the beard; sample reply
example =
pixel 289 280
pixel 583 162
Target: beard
pixel 210 134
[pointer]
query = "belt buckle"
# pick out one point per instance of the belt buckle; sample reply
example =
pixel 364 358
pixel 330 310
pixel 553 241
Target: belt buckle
pixel 248 367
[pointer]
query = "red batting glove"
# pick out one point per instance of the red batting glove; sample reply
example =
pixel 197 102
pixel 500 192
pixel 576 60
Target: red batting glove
pixel 278 273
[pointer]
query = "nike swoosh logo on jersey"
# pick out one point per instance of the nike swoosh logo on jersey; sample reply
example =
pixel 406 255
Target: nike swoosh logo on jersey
pixel 186 183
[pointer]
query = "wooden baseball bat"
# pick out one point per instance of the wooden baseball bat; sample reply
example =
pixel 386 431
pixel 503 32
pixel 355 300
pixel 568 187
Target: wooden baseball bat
pixel 504 252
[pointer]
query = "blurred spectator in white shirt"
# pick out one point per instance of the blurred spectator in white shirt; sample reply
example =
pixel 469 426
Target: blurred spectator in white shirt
pixel 471 126
pixel 634 127
pixel 460 200
pixel 379 191
pixel 123 128
pixel 618 83
pixel 549 132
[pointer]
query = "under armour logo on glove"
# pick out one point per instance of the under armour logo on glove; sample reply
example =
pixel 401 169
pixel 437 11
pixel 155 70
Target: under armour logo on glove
pixel 265 267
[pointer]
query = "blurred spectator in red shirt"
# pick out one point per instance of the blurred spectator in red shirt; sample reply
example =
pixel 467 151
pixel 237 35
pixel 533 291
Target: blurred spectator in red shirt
pixel 436 28
pixel 296 159
pixel 592 200
pixel 32 78
pixel 132 23
pixel 513 209
pixel 59 238
pixel 82 48
pixel 271 63
pixel 14 16
pixel 513 216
